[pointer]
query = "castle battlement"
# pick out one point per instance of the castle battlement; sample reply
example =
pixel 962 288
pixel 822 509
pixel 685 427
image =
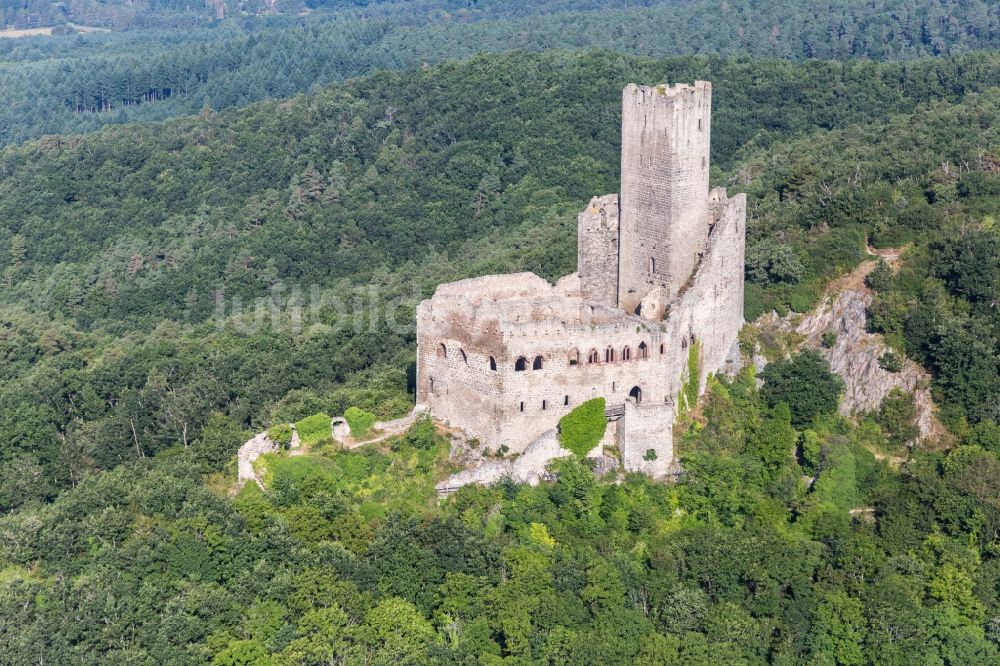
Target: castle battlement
pixel 659 278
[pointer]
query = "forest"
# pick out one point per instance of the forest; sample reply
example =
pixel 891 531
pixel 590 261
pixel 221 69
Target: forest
pixel 80 82
pixel 221 263
pixel 171 288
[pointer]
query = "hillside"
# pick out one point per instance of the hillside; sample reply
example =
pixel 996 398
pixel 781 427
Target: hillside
pixel 75 83
pixel 130 311
pixel 171 289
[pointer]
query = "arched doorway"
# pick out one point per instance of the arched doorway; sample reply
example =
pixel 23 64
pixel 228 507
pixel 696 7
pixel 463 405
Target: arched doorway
pixel 635 395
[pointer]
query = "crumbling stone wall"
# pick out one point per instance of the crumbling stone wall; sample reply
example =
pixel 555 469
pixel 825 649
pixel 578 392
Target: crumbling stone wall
pixel 597 250
pixel 640 432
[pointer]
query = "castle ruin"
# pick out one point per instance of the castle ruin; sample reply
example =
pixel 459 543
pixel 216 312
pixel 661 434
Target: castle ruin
pixel 658 291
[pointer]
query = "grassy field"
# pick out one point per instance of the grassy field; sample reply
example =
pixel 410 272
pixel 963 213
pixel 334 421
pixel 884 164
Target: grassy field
pixel 13 33
pixel 10 33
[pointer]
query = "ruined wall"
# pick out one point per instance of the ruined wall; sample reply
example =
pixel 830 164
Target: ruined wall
pixel 710 310
pixel 458 333
pixel 664 193
pixel 556 338
pixel 597 250
pixel 535 400
pixel 647 427
pixel 461 329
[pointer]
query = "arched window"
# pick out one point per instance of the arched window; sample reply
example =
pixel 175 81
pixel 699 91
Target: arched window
pixel 522 406
pixel 626 354
pixel 521 364
pixel 635 395
pixel 609 355
pixel 465 359
pixel 574 357
pixel 432 387
pixel 537 363
pixel 566 400
pixel 442 351
pixel 493 364
pixel 663 348
pixel 643 350
pixel 545 405
pixel 652 264
pixel 592 356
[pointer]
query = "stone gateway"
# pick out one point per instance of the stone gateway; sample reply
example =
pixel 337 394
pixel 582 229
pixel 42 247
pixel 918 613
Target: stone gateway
pixel 655 306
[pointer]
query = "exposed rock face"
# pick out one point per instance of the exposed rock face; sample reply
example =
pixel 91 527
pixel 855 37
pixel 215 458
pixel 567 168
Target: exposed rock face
pixel 855 356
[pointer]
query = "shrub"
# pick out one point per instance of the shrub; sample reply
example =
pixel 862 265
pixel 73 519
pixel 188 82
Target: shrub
pixel 829 339
pixel 890 362
pixel 422 434
pixel 898 417
pixel 583 428
pixel 692 385
pixel 313 429
pixel 281 433
pixel 880 279
pixel 360 422
pixel 650 455
pixel 755 301
pixel 805 383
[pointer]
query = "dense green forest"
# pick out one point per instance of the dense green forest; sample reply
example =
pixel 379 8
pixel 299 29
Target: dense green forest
pixel 221 263
pixel 78 83
pixel 754 556
pixel 170 289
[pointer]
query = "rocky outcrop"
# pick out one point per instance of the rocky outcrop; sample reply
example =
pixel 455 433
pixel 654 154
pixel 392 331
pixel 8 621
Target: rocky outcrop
pixel 854 356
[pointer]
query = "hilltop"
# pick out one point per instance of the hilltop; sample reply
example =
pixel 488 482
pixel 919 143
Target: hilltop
pixel 122 307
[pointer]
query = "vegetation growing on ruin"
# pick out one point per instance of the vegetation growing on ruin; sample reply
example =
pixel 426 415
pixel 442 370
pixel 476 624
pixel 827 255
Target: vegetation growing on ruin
pixel 281 433
pixel 583 427
pixel 314 429
pixel 692 380
pixel 359 421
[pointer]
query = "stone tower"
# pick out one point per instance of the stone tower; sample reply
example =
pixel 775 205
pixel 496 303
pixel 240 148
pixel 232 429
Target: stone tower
pixel 664 222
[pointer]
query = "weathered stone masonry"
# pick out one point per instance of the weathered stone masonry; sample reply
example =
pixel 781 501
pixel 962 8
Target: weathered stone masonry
pixel 660 271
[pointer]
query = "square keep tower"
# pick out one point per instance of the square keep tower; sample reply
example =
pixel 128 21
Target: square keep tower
pixel 666 131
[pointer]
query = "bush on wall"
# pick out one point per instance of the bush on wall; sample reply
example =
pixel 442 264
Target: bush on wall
pixel 281 433
pixel 360 422
pixel 583 428
pixel 313 429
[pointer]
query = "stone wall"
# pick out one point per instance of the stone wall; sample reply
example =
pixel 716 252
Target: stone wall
pixel 508 369
pixel 597 250
pixel 249 452
pixel 647 428
pixel 710 310
pixel 666 133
